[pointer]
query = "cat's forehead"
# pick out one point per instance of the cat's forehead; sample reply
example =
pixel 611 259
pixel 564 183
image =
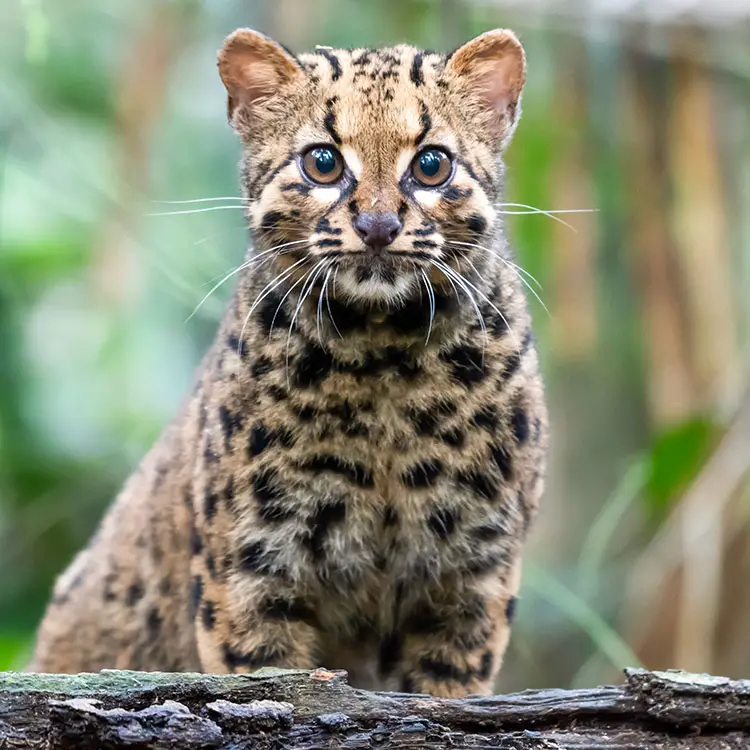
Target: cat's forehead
pixel 387 94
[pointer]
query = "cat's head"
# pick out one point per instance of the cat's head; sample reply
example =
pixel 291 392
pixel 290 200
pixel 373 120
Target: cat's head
pixel 381 166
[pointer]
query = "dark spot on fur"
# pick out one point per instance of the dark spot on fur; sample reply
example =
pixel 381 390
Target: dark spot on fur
pixel 423 474
pixel 196 540
pixel 510 609
pixel 512 363
pixel 210 504
pixel 262 366
pixel 454 437
pixel 255 558
pixel 231 423
pixel 321 521
pixel 390 516
pixel 277 393
pixel 271 313
pixel 324 227
pixel 487 417
pixel 466 364
pixel 485 563
pixel 153 623
pixel 209 615
pixel 487 533
pixel 263 656
pixel 260 439
pixel 481 483
pixel 271 221
pixel 503 460
pixel 477 224
pixel 237 346
pixel 313 366
pixel 355 472
pixel 280 608
pixel 134 594
pixel 389 653
pixel 443 522
pixel 520 422
pixel 196 595
pixel 209 454
pixel 443 671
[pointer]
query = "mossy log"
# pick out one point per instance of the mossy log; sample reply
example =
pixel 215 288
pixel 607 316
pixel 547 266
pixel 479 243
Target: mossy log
pixel 297 710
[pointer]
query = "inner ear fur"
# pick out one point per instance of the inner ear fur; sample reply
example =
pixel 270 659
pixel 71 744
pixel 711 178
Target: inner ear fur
pixel 492 68
pixel 253 68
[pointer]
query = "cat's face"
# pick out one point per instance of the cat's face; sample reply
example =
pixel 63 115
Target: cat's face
pixel 378 167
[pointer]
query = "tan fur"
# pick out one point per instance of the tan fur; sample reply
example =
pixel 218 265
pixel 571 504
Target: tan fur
pixel 337 488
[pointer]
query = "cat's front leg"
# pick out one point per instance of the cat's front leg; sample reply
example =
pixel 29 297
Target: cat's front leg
pixel 454 648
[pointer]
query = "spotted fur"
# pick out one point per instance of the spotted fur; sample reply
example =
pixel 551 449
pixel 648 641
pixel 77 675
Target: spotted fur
pixel 340 488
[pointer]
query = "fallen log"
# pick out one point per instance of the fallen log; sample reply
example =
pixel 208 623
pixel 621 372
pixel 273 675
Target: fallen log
pixel 297 710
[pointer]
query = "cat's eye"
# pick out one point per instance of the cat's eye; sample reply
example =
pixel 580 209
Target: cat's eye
pixel 432 167
pixel 323 165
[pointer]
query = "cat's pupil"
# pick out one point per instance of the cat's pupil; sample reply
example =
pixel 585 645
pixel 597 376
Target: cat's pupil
pixel 429 163
pixel 325 161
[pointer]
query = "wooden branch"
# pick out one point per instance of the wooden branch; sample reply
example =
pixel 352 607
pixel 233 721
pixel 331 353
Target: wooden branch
pixel 297 710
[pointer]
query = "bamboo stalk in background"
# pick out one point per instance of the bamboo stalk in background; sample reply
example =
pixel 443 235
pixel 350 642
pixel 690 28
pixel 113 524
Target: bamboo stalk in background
pixel 139 97
pixel 669 382
pixel 573 327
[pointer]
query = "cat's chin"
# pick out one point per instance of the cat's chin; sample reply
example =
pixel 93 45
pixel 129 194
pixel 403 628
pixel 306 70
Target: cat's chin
pixel 368 285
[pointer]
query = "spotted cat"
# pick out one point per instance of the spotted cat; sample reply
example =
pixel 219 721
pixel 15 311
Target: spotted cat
pixel 352 478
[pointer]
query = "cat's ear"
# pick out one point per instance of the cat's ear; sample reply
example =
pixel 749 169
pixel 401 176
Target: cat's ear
pixel 491 69
pixel 254 68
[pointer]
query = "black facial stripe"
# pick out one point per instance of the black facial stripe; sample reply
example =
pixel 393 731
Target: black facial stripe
pixel 456 194
pixel 330 121
pixel 290 157
pixel 330 243
pixel 324 227
pixel 426 122
pixel 416 75
pixel 298 187
pixel 424 243
pixel 334 63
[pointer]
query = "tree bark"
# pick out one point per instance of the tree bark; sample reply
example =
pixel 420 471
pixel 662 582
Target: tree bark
pixel 297 710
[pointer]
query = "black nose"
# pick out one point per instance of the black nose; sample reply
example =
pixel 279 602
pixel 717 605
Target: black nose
pixel 378 230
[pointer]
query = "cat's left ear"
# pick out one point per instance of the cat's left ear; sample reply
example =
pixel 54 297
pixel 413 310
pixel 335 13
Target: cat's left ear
pixel 254 68
pixel 491 69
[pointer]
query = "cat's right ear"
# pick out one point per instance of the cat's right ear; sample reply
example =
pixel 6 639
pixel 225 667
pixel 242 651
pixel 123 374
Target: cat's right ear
pixel 253 68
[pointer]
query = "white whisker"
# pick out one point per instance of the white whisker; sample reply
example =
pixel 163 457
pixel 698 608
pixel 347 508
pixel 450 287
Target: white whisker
pixel 197 211
pixel 446 269
pixel 307 288
pixel 242 266
pixel 513 267
pixel 431 298
pixel 199 200
pixel 267 289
